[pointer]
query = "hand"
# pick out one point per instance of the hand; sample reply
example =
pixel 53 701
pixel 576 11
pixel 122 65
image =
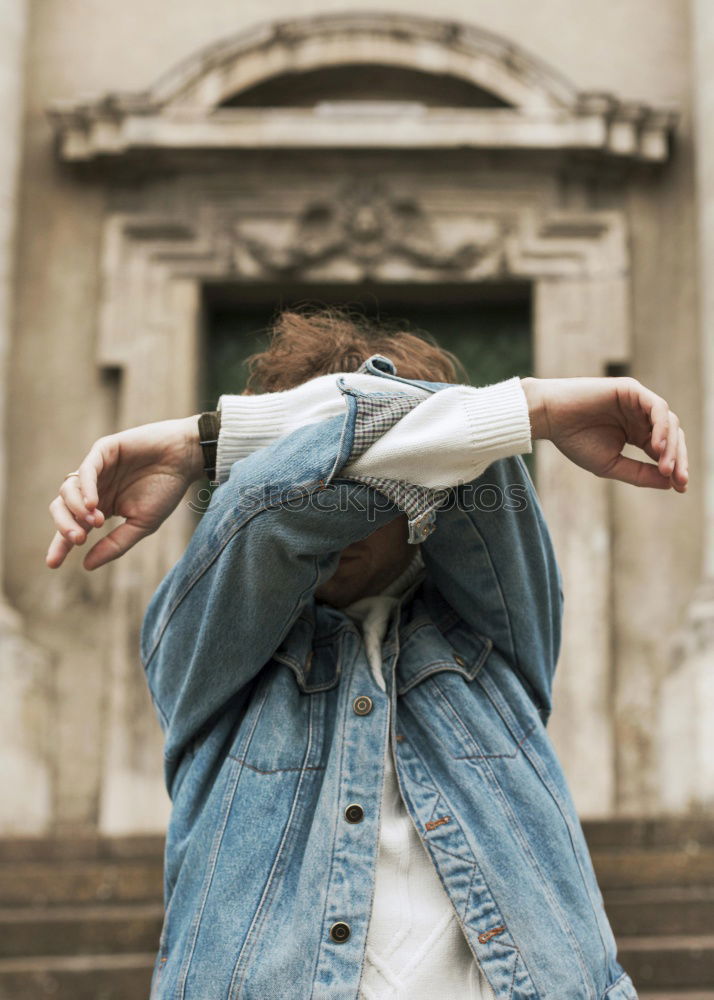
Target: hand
pixel 139 474
pixel 591 419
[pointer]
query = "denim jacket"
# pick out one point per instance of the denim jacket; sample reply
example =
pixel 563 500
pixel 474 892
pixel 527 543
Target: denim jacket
pixel 274 725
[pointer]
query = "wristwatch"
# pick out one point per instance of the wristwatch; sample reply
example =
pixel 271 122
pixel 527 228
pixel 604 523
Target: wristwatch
pixel 209 425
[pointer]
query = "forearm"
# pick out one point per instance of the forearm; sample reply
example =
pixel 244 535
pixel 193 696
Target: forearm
pixel 252 422
pixel 270 535
pixel 450 437
pixel 495 564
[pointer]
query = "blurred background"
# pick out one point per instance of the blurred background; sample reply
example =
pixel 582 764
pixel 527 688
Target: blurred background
pixel 533 184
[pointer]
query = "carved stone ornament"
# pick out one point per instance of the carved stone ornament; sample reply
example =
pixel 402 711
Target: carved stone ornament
pixel 189 107
pixel 367 224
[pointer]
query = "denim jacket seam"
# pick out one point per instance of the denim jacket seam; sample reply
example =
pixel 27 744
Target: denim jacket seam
pixel 586 979
pixel 539 767
pixel 504 603
pixel 514 647
pixel 263 909
pixel 624 975
pixel 468 673
pixel 377 394
pixel 430 844
pixel 294 664
pixel 219 834
pixel 333 839
pixel 518 833
pixel 204 566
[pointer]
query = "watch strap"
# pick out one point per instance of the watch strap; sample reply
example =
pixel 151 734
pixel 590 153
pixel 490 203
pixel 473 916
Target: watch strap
pixel 209 426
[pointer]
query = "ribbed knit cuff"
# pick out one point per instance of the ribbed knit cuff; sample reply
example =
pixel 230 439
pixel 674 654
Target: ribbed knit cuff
pixel 248 423
pixel 498 421
pixel 252 422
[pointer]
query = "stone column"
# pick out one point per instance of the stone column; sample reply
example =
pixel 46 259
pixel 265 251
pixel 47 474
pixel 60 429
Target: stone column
pixel 567 323
pixel 25 805
pixel 703 24
pixel 687 708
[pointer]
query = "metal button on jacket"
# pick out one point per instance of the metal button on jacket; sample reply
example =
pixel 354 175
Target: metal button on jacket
pixel 459 660
pixel 340 931
pixel 362 705
pixel 354 813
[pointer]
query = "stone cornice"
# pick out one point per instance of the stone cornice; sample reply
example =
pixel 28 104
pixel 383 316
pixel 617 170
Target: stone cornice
pixel 183 109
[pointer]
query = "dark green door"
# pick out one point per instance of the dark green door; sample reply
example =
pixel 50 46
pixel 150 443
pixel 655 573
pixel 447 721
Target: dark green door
pixel 489 329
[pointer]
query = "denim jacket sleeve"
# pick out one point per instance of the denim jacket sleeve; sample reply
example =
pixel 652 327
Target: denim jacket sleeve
pixel 492 558
pixel 251 565
pixel 274 530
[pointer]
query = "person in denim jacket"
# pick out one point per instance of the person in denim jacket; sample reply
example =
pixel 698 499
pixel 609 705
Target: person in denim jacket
pixel 352 663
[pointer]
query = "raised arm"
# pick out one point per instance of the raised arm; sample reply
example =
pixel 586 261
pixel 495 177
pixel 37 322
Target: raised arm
pixel 272 533
pixel 141 474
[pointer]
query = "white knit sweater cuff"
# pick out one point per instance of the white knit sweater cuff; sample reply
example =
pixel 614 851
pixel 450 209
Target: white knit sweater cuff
pixel 498 420
pixel 248 423
pixel 252 422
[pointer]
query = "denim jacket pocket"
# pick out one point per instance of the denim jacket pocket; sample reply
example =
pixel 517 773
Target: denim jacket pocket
pixel 283 728
pixel 293 688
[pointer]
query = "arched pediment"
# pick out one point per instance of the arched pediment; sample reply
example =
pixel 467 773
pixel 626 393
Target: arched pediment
pixel 213 76
pixel 364 82
pixel 417 83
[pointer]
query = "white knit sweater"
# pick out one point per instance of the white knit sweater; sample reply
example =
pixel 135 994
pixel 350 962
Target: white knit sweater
pixel 416 949
pixel 451 437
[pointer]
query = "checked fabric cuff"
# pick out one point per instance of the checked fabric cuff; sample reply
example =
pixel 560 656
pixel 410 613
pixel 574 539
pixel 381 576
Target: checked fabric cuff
pixel 376 414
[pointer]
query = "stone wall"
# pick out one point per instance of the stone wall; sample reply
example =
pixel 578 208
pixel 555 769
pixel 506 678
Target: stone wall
pixel 639 51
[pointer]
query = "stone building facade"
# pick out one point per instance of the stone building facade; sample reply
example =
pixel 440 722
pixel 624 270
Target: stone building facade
pixel 158 156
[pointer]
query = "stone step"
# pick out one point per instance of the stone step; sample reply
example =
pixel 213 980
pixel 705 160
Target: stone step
pixel 85 977
pixel 677 995
pixel 615 833
pixel 40 882
pixel 678 961
pixel 36 883
pixel 77 930
pixel 664 832
pixel 83 847
pixel 656 866
pixel 665 910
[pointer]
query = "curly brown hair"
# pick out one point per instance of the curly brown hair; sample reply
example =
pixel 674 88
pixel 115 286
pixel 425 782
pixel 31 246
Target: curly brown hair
pixel 312 341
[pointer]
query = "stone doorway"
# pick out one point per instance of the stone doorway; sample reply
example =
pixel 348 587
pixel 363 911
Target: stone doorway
pixel 487 325
pixel 492 186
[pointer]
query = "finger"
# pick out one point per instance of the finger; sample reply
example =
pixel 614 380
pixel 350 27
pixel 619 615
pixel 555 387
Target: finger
pixel 115 544
pixel 669 455
pixel 629 470
pixel 57 551
pixel 66 523
pixel 98 457
pixel 658 411
pixel 59 547
pixel 680 475
pixel 652 452
pixel 72 495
